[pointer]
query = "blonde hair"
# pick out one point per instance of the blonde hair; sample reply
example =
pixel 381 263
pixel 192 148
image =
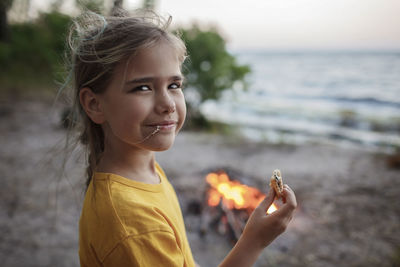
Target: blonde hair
pixel 98 45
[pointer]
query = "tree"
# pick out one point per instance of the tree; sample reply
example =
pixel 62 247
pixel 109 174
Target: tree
pixel 4 31
pixel 210 68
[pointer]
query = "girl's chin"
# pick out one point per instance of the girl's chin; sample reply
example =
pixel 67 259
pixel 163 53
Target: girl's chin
pixel 162 143
pixel 161 148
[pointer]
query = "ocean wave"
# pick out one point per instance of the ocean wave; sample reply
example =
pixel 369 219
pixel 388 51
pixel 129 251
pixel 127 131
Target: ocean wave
pixel 330 96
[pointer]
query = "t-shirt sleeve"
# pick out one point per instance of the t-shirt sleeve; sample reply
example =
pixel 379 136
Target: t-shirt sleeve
pixel 158 248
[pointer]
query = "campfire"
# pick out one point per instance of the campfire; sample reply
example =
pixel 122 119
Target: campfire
pixel 229 204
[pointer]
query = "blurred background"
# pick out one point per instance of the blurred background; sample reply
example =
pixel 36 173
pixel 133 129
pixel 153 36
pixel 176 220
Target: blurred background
pixel 291 71
pixel 312 82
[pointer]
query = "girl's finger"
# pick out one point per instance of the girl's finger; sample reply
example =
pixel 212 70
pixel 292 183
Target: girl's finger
pixel 289 195
pixel 290 203
pixel 285 186
pixel 266 202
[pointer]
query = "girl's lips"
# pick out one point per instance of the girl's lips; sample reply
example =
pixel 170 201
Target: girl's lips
pixel 164 125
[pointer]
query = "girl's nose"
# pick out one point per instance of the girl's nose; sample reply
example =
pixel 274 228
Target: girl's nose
pixel 165 103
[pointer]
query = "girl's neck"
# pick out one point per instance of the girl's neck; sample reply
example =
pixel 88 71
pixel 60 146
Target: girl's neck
pixel 137 165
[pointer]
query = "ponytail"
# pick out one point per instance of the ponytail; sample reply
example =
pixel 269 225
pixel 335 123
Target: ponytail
pixel 93 138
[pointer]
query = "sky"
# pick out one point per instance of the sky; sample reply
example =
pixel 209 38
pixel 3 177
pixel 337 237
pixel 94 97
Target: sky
pixel 291 24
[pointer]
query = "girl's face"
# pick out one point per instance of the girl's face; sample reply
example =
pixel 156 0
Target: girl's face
pixel 145 95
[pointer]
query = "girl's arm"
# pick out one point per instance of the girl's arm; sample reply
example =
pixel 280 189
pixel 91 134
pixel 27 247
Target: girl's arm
pixel 261 229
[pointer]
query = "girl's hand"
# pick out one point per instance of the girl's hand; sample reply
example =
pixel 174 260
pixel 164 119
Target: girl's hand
pixel 262 228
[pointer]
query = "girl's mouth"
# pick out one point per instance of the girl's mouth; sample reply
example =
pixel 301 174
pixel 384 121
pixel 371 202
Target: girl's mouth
pixel 164 125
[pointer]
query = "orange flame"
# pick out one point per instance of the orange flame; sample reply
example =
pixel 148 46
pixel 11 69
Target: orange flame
pixel 233 194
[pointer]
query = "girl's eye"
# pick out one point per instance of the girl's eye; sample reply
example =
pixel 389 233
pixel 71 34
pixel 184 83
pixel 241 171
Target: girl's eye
pixel 141 88
pixel 175 86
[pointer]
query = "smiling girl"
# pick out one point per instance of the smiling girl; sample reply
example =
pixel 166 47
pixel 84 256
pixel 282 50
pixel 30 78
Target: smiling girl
pixel 128 91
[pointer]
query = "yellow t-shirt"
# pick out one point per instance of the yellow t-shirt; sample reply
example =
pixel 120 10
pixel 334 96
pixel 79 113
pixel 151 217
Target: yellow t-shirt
pixel 129 223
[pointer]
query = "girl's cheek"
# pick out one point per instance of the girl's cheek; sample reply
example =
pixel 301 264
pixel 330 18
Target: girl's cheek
pixel 183 104
pixel 181 109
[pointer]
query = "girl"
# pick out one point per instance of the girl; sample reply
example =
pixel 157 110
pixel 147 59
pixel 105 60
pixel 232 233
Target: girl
pixel 128 91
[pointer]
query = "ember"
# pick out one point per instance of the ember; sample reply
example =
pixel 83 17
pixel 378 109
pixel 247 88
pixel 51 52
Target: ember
pixel 233 194
pixel 230 204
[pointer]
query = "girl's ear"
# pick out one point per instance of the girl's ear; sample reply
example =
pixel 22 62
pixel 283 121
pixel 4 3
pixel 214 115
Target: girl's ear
pixel 91 104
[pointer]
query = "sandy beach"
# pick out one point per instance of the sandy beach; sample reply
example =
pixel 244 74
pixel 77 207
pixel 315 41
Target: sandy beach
pixel 348 212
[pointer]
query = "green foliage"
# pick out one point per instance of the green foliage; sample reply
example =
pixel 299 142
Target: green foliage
pixel 210 68
pixel 6 4
pixel 33 56
pixel 34 51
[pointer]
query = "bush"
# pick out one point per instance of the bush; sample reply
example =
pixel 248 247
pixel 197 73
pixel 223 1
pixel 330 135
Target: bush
pixel 210 68
pixel 209 71
pixel 34 52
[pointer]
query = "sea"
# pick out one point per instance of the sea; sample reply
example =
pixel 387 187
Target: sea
pixel 344 98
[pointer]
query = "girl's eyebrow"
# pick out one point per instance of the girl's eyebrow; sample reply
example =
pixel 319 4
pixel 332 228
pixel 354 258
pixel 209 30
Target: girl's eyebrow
pixel 152 79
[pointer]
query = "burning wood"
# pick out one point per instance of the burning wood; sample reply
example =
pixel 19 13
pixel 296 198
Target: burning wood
pixel 233 194
pixel 230 204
